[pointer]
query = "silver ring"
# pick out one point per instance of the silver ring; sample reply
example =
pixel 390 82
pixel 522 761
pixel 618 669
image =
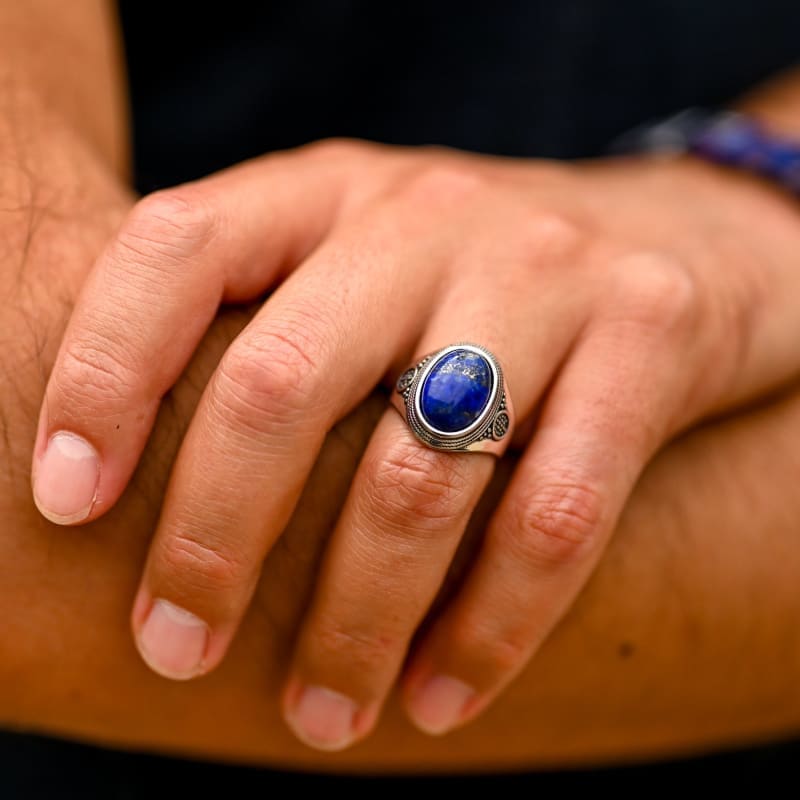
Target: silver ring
pixel 456 399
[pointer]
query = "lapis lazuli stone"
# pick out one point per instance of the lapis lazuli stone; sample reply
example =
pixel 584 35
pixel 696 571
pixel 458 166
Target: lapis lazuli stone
pixel 456 390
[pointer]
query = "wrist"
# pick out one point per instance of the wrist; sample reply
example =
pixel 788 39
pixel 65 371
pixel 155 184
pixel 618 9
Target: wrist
pixel 776 105
pixel 740 233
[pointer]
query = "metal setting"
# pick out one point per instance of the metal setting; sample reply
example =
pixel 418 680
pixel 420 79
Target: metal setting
pixel 488 433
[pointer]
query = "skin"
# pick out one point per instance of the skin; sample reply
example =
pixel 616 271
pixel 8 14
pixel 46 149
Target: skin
pixel 707 655
pixel 65 650
pixel 69 63
pixel 618 331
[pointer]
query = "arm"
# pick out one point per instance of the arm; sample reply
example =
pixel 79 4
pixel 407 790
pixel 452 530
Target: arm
pixel 61 65
pixel 708 651
pixel 685 638
pixel 637 298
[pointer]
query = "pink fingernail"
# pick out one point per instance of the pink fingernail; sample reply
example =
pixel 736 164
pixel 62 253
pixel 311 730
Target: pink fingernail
pixel 323 718
pixel 439 704
pixel 173 641
pixel 66 478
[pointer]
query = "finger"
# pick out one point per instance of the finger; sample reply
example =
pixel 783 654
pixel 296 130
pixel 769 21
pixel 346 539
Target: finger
pixel 147 303
pixel 406 512
pixel 315 349
pixel 610 408
pixel 364 611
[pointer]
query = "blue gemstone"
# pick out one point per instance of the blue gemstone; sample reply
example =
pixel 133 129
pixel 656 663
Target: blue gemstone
pixel 456 390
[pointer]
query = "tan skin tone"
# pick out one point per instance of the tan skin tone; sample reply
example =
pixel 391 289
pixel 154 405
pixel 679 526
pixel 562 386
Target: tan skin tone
pixel 707 655
pixel 627 300
pixel 711 566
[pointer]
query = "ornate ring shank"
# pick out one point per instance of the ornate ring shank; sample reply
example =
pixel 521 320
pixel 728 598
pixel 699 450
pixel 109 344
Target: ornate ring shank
pixel 483 418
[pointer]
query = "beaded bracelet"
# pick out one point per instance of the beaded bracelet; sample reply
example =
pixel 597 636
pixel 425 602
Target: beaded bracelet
pixel 724 137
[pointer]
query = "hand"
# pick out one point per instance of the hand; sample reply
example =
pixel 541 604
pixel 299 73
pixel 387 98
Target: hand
pixel 624 300
pixel 696 547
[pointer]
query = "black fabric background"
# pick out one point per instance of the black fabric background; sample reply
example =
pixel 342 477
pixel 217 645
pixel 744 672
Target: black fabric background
pixel 213 84
pixel 557 78
pixel 34 768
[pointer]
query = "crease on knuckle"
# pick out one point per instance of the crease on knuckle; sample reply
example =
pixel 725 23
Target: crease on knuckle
pixel 264 380
pixel 361 649
pixel 557 524
pixel 201 566
pixel 419 487
pixel 660 293
pixel 92 372
pixel 168 228
pixel 502 653
pixel 508 655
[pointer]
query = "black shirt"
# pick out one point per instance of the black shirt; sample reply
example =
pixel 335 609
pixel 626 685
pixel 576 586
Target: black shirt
pixel 556 78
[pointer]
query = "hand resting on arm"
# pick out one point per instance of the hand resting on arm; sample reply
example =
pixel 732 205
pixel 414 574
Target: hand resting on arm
pixel 685 638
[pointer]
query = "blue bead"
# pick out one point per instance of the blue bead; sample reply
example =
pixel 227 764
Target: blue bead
pixel 456 390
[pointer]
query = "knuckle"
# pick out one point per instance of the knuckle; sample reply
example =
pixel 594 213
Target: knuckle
pixel 200 566
pixel 444 184
pixel 661 293
pixel 417 488
pixel 556 524
pixel 547 236
pixel 169 227
pixel 264 378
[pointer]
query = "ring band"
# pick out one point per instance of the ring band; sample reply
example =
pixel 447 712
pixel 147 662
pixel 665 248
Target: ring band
pixel 456 399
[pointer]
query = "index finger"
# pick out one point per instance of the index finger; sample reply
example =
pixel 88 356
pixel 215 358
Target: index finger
pixel 149 300
pixel 313 351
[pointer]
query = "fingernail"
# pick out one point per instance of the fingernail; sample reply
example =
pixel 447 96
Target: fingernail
pixel 173 641
pixel 439 704
pixel 323 718
pixel 66 478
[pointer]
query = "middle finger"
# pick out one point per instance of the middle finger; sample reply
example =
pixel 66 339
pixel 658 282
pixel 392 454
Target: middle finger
pixel 407 510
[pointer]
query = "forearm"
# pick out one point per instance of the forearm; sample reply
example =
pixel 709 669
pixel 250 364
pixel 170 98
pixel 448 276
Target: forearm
pixel 63 149
pixel 61 71
pixel 685 638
